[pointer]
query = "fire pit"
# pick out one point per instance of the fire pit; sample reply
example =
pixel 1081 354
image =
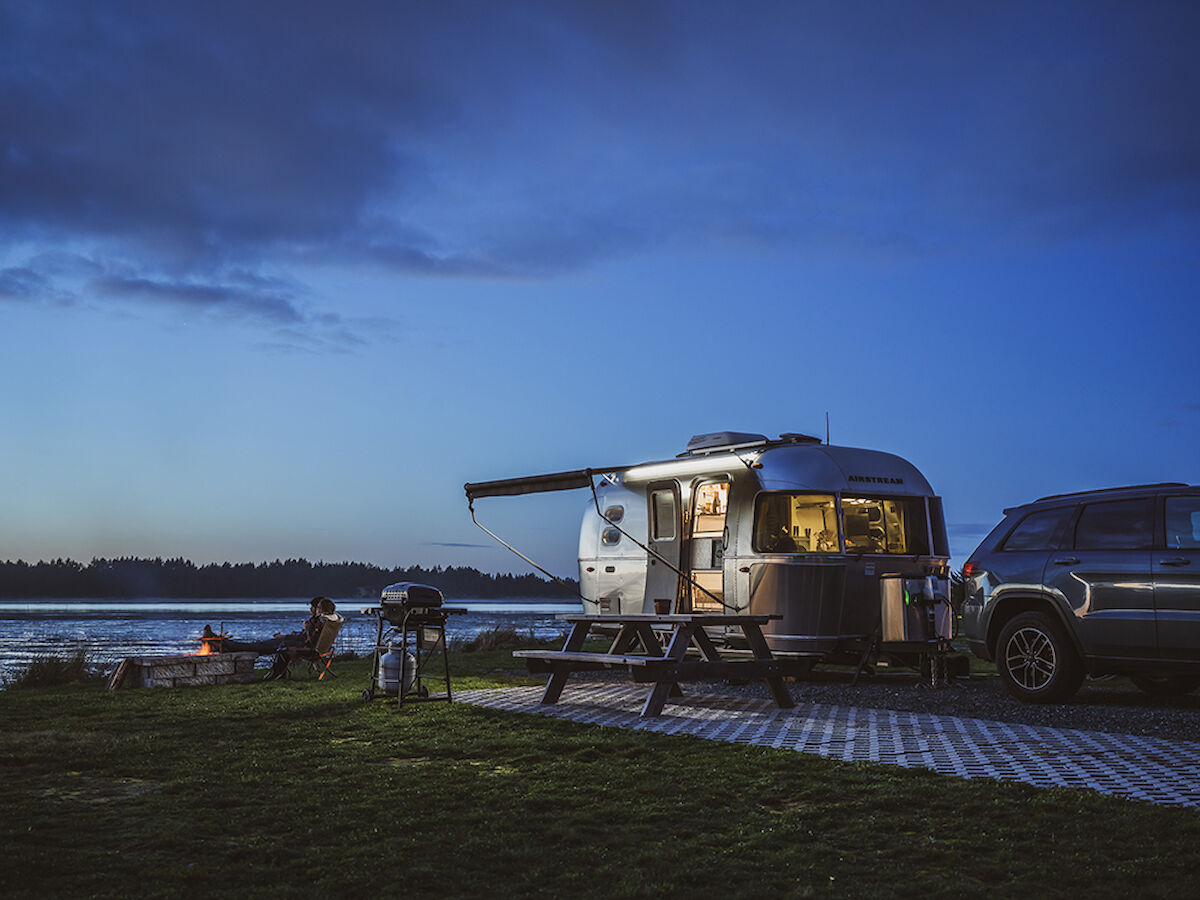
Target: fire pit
pixel 184 669
pixel 211 641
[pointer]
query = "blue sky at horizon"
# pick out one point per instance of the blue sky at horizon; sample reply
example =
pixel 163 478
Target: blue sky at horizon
pixel 276 280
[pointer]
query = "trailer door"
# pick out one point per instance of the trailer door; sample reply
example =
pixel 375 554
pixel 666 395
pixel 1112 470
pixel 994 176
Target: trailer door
pixel 706 554
pixel 662 581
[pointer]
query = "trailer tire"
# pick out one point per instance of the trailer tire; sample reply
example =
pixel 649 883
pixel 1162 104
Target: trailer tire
pixel 1036 660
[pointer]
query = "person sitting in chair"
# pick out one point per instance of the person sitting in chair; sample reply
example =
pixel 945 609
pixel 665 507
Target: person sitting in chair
pixel 321 609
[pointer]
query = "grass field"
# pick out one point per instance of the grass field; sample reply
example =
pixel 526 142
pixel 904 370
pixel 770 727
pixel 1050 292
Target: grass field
pixel 302 789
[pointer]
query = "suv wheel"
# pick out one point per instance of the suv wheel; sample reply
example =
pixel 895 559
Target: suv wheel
pixel 1166 685
pixel 1036 660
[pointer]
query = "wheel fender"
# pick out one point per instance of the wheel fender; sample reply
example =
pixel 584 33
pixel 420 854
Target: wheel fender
pixel 1007 607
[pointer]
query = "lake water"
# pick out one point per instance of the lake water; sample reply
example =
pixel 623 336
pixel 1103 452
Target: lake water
pixel 113 629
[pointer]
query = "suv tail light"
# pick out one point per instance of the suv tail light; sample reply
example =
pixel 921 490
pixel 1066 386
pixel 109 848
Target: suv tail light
pixel 970 569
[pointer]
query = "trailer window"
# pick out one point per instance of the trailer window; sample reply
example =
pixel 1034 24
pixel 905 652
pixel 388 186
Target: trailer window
pixel 663 506
pixel 937 524
pixel 795 523
pixel 711 504
pixel 886 525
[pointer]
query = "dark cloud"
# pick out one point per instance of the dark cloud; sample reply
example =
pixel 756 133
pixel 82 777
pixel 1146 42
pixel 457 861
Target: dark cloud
pixel 205 297
pixel 192 132
pixel 188 141
pixel 21 283
pixel 1181 416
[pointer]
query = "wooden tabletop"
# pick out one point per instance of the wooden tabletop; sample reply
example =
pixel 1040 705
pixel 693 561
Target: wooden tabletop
pixel 675 619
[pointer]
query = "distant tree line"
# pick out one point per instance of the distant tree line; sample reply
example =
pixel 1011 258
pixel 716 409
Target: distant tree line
pixel 130 577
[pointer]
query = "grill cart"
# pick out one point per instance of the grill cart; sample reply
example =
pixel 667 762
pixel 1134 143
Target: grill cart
pixel 411 637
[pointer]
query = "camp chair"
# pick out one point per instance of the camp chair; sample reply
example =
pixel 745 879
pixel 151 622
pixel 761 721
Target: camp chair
pixel 318 657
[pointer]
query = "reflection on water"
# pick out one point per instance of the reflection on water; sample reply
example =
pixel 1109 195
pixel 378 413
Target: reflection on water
pixel 111 630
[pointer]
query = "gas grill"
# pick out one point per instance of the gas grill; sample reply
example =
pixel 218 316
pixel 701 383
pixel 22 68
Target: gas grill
pixel 409 639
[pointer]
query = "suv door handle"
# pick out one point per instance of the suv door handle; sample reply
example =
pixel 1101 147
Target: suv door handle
pixel 1175 561
pixel 1067 561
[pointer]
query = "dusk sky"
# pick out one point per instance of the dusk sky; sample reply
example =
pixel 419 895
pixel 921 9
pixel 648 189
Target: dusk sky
pixel 276 279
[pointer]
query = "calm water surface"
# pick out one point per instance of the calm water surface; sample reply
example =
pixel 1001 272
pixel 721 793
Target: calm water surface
pixel 113 629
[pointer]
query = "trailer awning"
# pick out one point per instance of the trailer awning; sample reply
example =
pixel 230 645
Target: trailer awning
pixel 537 484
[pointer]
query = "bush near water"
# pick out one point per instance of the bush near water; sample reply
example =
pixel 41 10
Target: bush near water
pixel 49 669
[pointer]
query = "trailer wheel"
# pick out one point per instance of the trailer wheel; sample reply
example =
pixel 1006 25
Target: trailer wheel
pixel 368 695
pixel 1036 660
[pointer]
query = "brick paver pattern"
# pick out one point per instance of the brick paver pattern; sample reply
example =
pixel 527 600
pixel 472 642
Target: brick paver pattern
pixel 1143 768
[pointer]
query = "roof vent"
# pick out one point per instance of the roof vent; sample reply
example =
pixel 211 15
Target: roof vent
pixel 793 437
pixel 723 440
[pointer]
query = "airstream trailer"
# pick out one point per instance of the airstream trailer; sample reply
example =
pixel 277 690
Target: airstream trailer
pixel 846 546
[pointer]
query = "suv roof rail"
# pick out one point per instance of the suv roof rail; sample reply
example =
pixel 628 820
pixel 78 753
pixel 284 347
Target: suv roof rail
pixel 1127 487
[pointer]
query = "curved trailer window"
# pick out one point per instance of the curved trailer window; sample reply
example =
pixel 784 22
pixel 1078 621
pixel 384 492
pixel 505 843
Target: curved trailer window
pixel 795 523
pixel 807 523
pixel 886 525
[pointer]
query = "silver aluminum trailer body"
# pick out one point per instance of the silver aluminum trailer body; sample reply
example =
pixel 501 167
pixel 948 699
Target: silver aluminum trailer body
pixel 829 538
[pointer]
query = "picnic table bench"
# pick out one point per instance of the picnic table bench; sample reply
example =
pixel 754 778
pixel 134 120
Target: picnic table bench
pixel 664 670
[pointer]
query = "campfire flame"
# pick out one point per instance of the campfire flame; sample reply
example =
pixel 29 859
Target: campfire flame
pixel 210 642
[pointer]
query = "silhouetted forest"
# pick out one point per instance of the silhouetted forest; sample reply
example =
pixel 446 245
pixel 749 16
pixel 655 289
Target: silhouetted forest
pixel 130 577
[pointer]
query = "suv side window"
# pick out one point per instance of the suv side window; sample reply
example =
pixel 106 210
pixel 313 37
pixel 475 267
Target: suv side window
pixel 1115 525
pixel 1038 530
pixel 1183 523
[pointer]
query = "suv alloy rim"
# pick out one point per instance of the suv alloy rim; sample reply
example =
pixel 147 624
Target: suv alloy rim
pixel 1029 658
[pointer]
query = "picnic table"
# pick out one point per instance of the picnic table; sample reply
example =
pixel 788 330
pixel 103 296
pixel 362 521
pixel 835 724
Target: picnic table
pixel 664 670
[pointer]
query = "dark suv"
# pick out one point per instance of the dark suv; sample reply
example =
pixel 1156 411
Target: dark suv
pixel 1096 583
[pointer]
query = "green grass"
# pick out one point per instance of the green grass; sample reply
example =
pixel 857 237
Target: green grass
pixel 302 789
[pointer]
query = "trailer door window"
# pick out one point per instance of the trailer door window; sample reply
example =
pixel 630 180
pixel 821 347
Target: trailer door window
pixel 663 505
pixel 795 523
pixel 886 525
pixel 712 501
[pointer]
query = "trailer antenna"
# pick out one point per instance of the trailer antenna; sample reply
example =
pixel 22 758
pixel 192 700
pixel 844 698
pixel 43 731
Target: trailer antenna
pixel 826 427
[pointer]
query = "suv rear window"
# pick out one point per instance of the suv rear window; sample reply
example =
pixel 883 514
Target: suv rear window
pixel 1183 523
pixel 1038 530
pixel 1115 525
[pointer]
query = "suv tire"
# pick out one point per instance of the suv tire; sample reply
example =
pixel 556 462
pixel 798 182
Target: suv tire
pixel 1036 660
pixel 1166 685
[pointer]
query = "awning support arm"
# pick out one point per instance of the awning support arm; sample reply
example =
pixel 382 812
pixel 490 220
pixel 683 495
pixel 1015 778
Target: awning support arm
pixel 570 587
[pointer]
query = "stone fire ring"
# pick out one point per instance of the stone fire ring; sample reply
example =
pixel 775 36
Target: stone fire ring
pixel 183 670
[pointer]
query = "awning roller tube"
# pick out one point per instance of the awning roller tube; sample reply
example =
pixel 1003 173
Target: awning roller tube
pixel 536 484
